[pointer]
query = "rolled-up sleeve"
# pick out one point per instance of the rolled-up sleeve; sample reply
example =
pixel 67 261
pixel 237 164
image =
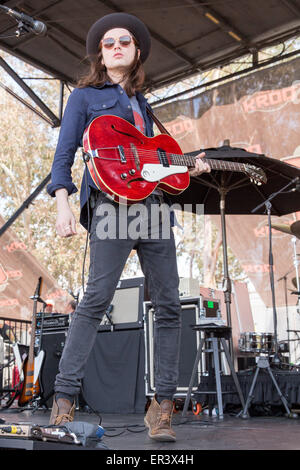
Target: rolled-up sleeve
pixel 71 131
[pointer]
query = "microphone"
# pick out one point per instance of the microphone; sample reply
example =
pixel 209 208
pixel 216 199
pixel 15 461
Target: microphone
pixel 297 188
pixel 37 27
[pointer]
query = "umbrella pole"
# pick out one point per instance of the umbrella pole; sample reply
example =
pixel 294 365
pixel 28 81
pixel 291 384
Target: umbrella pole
pixel 227 289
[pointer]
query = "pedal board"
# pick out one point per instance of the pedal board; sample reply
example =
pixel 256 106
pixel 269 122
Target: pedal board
pixel 41 433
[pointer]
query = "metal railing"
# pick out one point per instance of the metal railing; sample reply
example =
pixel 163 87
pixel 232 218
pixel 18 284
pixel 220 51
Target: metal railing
pixel 14 344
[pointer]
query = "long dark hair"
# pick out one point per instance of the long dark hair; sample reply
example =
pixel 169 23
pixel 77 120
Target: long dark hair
pixel 97 74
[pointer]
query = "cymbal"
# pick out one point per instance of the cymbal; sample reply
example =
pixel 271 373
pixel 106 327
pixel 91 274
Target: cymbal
pixel 282 228
pixel 294 282
pixel 293 229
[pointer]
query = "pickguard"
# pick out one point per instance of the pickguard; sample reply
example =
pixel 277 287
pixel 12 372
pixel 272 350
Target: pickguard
pixel 155 171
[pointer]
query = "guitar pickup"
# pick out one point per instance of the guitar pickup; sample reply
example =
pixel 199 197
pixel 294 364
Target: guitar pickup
pixel 122 153
pixel 136 156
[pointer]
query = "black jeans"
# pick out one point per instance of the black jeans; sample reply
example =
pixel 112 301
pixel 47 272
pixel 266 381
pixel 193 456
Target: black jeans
pixel 157 256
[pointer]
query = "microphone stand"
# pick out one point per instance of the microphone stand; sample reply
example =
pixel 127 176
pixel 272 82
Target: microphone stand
pixel 267 203
pixel 296 263
pixel 284 278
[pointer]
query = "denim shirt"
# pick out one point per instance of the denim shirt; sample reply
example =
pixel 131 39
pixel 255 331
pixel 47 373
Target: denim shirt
pixel 84 105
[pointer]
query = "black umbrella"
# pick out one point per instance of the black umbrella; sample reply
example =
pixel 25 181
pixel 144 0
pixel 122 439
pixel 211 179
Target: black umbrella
pixel 234 192
pixel 242 195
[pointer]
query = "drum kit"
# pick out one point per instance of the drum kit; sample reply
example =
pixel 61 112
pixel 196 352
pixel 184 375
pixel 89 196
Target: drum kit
pixel 264 343
pixel 257 343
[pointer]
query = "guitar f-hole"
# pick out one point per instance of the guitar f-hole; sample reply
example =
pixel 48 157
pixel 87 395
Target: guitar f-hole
pixel 133 180
pixel 128 135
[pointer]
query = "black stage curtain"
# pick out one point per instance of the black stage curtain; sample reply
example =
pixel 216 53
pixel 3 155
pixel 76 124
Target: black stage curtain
pixel 114 376
pixel 264 392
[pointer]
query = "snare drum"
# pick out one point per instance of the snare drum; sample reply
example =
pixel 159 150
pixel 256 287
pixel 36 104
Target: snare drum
pixel 251 342
pixel 268 342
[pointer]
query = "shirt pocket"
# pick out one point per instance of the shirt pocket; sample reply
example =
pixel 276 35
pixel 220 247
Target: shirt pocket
pixel 107 106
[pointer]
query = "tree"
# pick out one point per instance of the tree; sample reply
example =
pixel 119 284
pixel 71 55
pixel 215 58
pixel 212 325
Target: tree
pixel 27 146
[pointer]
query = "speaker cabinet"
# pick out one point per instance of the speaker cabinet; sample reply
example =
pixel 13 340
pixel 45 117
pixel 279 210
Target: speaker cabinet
pixel 190 340
pixel 52 344
pixel 114 374
pixel 126 309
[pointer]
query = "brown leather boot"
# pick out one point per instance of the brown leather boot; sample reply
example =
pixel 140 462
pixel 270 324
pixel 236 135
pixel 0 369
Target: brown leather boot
pixel 158 420
pixel 62 411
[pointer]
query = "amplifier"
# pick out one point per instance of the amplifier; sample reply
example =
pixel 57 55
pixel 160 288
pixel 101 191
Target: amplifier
pixel 55 321
pixel 52 343
pixel 190 340
pixel 188 287
pixel 126 309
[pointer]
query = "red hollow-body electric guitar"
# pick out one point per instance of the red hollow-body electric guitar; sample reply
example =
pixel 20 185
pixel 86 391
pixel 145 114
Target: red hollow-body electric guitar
pixel 128 166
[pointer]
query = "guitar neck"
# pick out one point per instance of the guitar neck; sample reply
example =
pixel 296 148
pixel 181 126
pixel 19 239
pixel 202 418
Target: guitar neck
pixel 33 322
pixel 189 161
pixel 32 340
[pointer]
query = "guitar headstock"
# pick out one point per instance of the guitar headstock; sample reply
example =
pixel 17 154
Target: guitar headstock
pixel 257 175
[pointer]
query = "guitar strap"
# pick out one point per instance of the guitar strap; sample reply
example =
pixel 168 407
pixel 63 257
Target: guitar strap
pixel 158 123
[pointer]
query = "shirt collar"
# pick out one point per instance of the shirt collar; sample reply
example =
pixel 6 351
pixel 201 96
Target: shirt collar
pixel 140 97
pixel 107 83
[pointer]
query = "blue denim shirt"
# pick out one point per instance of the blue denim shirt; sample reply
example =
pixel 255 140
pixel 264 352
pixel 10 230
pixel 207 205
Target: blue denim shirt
pixel 84 105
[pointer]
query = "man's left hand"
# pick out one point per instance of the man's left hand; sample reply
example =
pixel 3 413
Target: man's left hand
pixel 200 166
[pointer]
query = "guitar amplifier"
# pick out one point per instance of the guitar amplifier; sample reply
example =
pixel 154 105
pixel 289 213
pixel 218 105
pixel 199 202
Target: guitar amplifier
pixel 190 340
pixel 52 343
pixel 126 309
pixel 55 321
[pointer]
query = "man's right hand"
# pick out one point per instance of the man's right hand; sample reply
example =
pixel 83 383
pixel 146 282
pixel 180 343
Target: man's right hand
pixel 65 221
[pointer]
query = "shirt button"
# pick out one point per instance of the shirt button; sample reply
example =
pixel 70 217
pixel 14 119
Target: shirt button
pixel 104 106
pixel 121 91
pixel 129 107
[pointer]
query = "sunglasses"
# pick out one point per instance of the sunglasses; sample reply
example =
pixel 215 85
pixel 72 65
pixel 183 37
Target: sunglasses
pixel 109 43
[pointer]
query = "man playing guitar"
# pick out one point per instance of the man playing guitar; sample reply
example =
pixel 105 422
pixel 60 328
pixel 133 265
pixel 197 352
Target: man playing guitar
pixel 117 44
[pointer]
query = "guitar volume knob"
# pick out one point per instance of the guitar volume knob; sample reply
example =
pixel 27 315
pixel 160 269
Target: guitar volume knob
pixel 132 172
pixel 123 176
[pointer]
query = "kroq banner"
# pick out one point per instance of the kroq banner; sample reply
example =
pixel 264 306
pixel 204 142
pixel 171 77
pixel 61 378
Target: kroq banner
pixel 259 113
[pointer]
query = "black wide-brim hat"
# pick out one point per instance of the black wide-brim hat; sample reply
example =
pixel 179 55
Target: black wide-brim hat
pixel 119 20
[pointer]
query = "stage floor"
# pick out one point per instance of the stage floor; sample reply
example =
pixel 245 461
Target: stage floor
pixel 194 433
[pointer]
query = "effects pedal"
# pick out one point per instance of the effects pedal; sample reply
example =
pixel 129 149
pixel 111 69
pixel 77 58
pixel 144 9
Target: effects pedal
pixel 40 433
pixel 15 430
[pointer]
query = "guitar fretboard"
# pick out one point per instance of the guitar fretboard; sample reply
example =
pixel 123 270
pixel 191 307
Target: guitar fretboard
pixel 189 161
